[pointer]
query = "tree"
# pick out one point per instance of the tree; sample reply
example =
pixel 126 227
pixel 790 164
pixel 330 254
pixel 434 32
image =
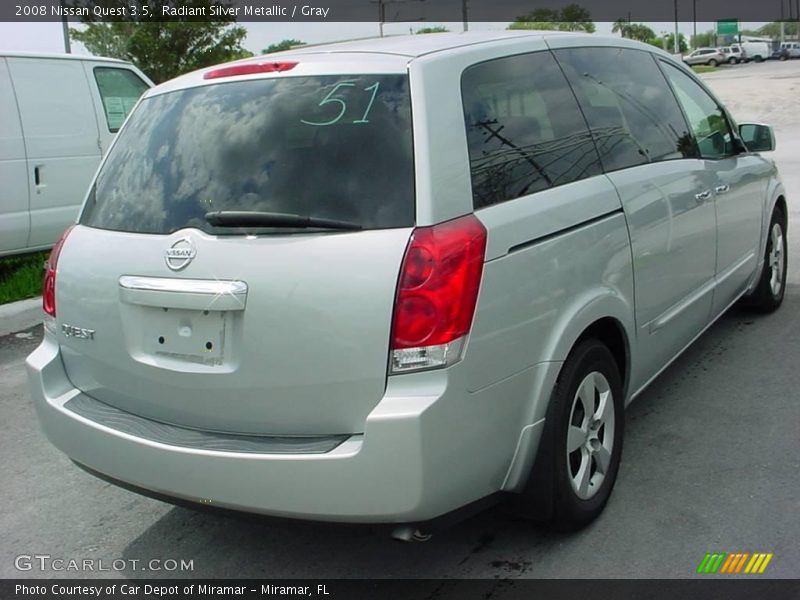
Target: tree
pixel 436 29
pixel 640 33
pixel 668 42
pixel 773 29
pixel 633 31
pixel 572 17
pixel 622 27
pixel 703 40
pixel 163 49
pixel 282 45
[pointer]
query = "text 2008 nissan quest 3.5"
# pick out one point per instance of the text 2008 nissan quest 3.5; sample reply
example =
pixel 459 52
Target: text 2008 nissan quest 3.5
pixel 390 280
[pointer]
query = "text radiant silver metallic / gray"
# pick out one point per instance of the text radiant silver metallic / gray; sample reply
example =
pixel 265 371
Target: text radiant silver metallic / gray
pixel 305 302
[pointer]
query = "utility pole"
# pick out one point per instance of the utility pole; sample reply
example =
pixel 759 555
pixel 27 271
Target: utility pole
pixel 783 26
pixel 65 29
pixel 676 46
pixel 464 16
pixel 694 24
pixel 381 15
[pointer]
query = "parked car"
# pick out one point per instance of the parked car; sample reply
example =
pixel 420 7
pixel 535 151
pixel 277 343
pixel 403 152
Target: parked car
pixel 706 56
pixel 757 51
pixel 287 295
pixel 733 54
pixel 60 113
pixel 780 53
pixel 792 48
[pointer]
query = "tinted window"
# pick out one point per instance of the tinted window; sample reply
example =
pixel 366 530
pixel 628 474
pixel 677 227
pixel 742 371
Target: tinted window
pixel 628 104
pixel 525 132
pixel 120 90
pixel 708 122
pixel 335 147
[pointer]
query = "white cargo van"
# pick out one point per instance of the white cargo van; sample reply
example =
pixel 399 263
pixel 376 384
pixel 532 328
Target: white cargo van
pixel 757 51
pixel 58 115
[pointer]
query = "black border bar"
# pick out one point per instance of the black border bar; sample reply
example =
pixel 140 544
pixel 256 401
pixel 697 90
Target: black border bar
pixel 698 588
pixel 393 11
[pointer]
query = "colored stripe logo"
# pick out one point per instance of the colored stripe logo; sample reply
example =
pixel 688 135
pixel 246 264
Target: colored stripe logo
pixel 734 563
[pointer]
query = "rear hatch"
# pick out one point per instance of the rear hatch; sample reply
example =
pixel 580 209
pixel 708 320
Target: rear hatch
pixel 238 256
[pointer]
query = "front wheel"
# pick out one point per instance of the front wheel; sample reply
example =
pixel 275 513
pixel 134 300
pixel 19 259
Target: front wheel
pixel 769 292
pixel 732 61
pixel 579 455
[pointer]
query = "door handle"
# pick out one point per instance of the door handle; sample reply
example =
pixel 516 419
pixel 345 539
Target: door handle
pixel 722 189
pixel 36 176
pixel 703 196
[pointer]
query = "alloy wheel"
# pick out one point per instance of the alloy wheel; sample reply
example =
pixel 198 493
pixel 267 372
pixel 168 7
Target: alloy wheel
pixel 590 438
pixel 776 259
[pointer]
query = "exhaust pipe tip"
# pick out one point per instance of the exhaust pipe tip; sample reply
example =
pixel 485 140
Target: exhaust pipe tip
pixel 408 534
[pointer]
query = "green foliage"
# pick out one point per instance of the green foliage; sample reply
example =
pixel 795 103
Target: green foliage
pixel 535 25
pixel 773 29
pixel 668 42
pixel 436 29
pixel 705 40
pixel 21 277
pixel 633 31
pixel 163 49
pixel 572 17
pixel 282 45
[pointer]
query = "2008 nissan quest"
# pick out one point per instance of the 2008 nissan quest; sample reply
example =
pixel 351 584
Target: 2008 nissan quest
pixel 383 280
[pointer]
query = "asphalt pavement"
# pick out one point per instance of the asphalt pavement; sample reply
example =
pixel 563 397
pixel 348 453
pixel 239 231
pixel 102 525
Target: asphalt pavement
pixel 711 464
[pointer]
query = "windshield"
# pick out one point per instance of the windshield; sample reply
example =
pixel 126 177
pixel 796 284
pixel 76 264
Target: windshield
pixel 329 147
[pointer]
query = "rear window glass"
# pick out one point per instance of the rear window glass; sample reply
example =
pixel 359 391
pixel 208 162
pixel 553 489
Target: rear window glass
pixel 525 132
pixel 331 147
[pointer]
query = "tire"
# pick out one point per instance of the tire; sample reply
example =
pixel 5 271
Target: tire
pixel 782 57
pixel 731 61
pixel 712 63
pixel 569 489
pixel 759 58
pixel 768 295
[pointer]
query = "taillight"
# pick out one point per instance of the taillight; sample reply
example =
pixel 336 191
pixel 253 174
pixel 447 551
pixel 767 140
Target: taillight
pixel 437 294
pixel 49 282
pixel 249 69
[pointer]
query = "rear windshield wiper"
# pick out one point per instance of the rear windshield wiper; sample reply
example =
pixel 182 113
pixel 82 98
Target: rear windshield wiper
pixel 243 218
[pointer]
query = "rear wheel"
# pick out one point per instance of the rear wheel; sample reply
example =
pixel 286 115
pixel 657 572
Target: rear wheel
pixel 712 63
pixel 769 292
pixel 577 462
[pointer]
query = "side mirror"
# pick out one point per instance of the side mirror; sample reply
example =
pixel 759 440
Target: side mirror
pixel 757 137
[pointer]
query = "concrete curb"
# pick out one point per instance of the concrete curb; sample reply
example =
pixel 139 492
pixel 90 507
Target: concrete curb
pixel 17 316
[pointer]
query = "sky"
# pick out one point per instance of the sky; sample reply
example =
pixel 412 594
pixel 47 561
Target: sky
pixel 47 37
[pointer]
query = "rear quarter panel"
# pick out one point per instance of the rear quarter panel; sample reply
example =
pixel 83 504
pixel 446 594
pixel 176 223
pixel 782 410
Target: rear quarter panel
pixel 557 261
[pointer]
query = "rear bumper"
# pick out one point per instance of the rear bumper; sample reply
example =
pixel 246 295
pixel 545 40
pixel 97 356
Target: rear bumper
pixel 429 447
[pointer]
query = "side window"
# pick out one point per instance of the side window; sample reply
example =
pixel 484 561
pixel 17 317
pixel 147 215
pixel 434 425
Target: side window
pixel 525 132
pixel 628 104
pixel 708 122
pixel 119 89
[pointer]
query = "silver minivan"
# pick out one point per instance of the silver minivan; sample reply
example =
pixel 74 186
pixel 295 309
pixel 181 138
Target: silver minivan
pixel 386 280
